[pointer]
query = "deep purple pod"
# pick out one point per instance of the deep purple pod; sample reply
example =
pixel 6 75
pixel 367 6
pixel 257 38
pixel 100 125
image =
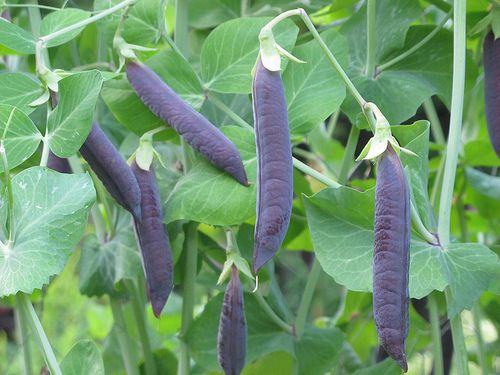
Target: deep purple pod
pixel 195 129
pixel 232 336
pixel 112 169
pixel 275 164
pixel 391 256
pixel 58 164
pixel 153 240
pixel 491 58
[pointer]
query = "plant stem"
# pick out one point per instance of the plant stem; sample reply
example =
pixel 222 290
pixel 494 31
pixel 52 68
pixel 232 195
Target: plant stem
pixel 137 306
pixel 270 312
pixel 371 38
pixel 191 251
pixel 181 31
pixel 420 227
pixel 40 336
pixel 454 139
pixel 296 162
pixel 436 127
pixel 436 335
pixel 460 355
pixel 85 22
pixel 123 338
pixel 483 362
pixel 350 149
pixel 21 327
pixel 305 302
pixel 31 6
pixel 415 47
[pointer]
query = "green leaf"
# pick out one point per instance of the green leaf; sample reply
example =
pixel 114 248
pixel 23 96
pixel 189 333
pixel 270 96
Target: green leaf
pixel 387 367
pixel 84 358
pixel 479 152
pixel 21 138
pixel 69 124
pixel 207 14
pixel 314 90
pixel 102 266
pixel 230 52
pixel 484 183
pixel 208 195
pixel 143 25
pixel 272 363
pixel 240 104
pixel 317 350
pixel 15 38
pixel 19 90
pixel 50 214
pixel 279 6
pixel 129 110
pixel 60 19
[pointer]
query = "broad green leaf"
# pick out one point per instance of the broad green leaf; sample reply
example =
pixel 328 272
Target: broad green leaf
pixel 208 195
pixel 19 135
pixel 230 52
pixel 50 213
pixel 479 152
pixel 15 38
pixel 279 6
pixel 60 19
pixel 84 358
pixel 129 110
pixel 240 104
pixel 317 350
pixel 272 363
pixel 341 224
pixel 19 90
pixel 102 266
pixel 387 367
pixel 484 183
pixel 144 23
pixel 206 14
pixel 70 123
pixel 314 90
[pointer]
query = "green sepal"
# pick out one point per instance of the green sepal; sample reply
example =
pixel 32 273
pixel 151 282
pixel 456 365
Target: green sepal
pixel 145 152
pixel 41 99
pixel 240 263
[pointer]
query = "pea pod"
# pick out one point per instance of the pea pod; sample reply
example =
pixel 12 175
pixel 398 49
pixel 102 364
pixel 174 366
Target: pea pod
pixel 275 165
pixel 195 129
pixel 112 169
pixel 232 336
pixel 491 57
pixel 391 256
pixel 153 240
pixel 58 164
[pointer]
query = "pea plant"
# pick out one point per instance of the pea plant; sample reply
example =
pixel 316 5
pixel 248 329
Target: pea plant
pixel 249 187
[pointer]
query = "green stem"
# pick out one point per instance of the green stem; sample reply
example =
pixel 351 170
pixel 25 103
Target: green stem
pixel 181 31
pixel 305 302
pixel 123 338
pixel 296 162
pixel 22 328
pixel 272 315
pixel 371 38
pixel 416 46
pixel 85 22
pixel 454 139
pixel 436 127
pixel 350 149
pixel 31 6
pixel 191 251
pixel 436 335
pixel 460 350
pixel 138 308
pixel 420 227
pixel 40 336
pixel 483 362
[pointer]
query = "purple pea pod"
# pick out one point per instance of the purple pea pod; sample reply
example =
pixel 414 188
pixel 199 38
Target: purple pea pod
pixel 391 256
pixel 491 58
pixel 112 169
pixel 275 165
pixel 153 240
pixel 232 337
pixel 195 129
pixel 58 164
